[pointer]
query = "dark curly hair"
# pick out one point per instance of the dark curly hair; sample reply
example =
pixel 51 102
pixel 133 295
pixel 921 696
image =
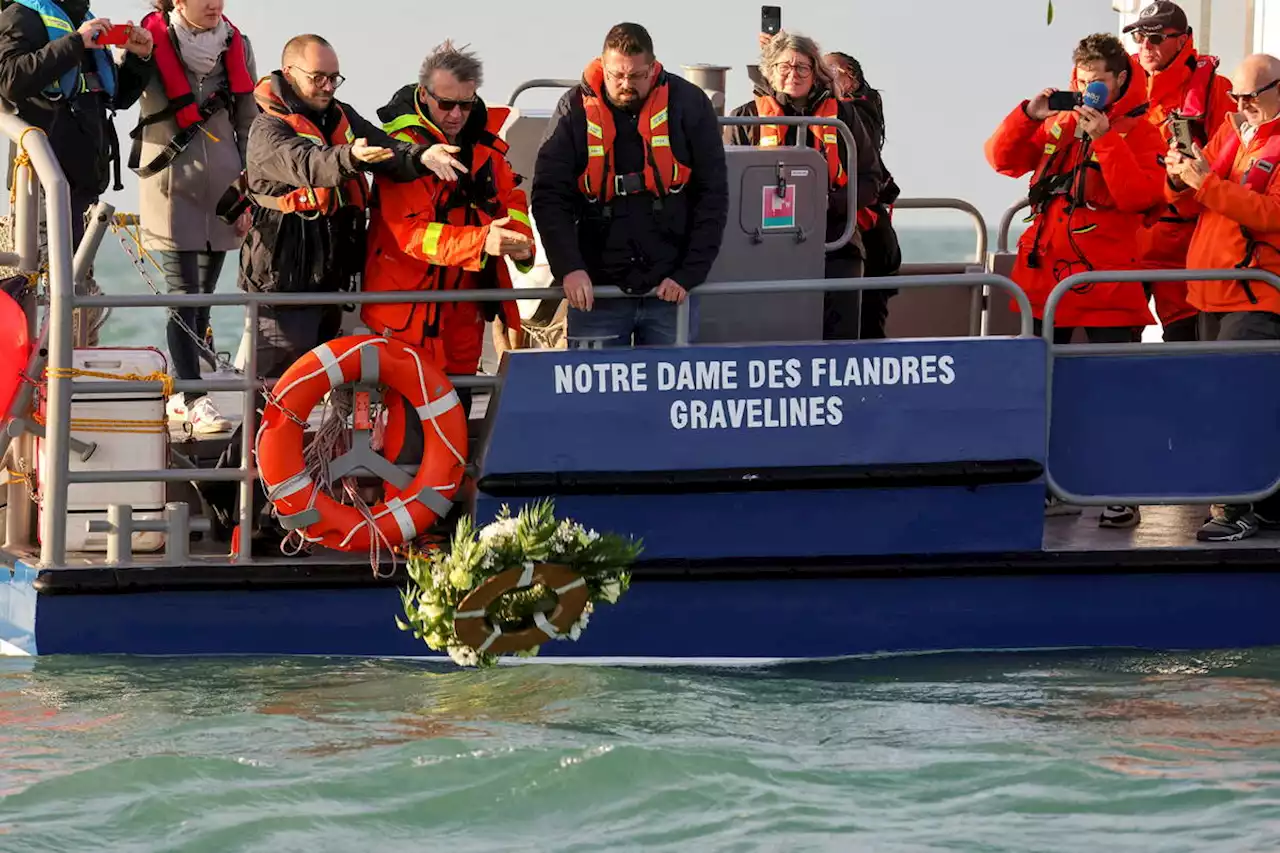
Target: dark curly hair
pixel 1105 47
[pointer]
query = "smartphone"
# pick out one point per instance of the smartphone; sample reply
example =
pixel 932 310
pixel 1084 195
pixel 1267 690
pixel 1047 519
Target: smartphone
pixel 1062 102
pixel 1182 139
pixel 771 19
pixel 117 35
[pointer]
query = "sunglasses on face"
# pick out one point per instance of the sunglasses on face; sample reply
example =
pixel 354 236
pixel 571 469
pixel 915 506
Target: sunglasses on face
pixel 447 105
pixel 1154 39
pixel 1252 96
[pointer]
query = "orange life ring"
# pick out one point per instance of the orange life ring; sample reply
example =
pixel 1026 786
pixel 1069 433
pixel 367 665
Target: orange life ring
pixel 471 620
pixel 405 371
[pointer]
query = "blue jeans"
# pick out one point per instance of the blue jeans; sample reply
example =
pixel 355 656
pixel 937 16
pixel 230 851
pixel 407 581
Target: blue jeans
pixel 613 323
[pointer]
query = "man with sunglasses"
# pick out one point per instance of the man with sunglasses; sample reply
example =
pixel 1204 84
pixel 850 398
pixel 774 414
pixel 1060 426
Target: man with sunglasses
pixel 447 234
pixel 630 189
pixel 307 157
pixel 1183 87
pixel 1231 186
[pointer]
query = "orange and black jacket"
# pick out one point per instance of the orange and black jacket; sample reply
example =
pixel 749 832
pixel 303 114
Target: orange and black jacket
pixel 430 234
pixel 285 252
pixel 633 242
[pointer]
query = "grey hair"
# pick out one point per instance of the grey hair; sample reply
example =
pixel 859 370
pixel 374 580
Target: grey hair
pixel 784 41
pixel 458 61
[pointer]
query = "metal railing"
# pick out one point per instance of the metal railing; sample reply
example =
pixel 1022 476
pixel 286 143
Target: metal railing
pixel 980 296
pixel 1006 225
pixel 1055 351
pixel 540 83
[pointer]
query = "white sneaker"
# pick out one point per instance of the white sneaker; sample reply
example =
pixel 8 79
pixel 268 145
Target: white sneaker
pixel 202 415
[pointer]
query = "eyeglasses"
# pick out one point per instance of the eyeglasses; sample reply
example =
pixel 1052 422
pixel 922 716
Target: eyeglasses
pixel 1155 39
pixel 800 71
pixel 449 105
pixel 318 78
pixel 633 77
pixel 1253 96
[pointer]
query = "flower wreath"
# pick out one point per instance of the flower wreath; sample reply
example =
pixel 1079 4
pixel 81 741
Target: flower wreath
pixel 440 581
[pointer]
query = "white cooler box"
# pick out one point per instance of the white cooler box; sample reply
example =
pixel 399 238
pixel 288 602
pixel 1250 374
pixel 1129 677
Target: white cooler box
pixel 144 446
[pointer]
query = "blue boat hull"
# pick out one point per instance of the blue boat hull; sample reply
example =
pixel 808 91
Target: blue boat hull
pixel 688 618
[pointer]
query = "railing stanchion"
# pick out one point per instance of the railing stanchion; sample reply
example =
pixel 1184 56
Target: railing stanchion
pixel 249 429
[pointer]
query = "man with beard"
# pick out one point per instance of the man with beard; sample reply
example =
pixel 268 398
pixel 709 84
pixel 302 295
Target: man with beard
pixel 630 189
pixel 54 71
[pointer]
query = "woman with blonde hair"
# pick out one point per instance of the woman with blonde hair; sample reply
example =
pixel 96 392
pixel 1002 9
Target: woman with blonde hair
pixel 798 83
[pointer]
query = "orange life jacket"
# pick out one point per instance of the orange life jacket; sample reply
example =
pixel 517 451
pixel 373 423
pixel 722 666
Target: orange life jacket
pixel 663 173
pixel 825 137
pixel 1195 102
pixel 310 201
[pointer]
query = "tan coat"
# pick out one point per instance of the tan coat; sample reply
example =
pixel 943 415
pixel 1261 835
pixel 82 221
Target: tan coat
pixel 177 206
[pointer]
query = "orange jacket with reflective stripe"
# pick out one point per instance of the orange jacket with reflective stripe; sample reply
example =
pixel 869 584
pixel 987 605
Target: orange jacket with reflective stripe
pixel 663 173
pixel 1189 79
pixel 430 234
pixel 1106 189
pixel 323 200
pixel 825 138
pixel 1225 204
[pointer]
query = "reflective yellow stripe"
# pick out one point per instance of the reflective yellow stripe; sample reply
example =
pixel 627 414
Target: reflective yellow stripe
pixel 594 130
pixel 659 119
pixel 1049 148
pixel 829 138
pixel 595 150
pixel 431 239
pixel 403 136
pixel 660 142
pixel 316 139
pixel 57 24
pixel 399 123
pixel 1085 230
pixel 1056 131
pixel 768 141
pixel 525 266
pixel 519 216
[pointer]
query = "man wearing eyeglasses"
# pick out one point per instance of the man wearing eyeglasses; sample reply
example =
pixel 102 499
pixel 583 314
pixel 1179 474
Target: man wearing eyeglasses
pixel 630 189
pixel 438 234
pixel 307 157
pixel 1231 186
pixel 1183 88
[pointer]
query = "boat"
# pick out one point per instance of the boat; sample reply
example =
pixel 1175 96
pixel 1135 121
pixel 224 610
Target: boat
pixel 797 500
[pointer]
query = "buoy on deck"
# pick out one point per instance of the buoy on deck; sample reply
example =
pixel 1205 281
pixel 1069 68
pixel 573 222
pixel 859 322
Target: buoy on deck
pixel 15 351
pixel 406 512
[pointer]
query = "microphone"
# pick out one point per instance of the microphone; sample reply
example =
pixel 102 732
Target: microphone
pixel 1096 96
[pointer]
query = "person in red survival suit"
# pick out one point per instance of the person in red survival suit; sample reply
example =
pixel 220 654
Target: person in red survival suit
pixel 437 234
pixel 1096 173
pixel 1094 176
pixel 1182 85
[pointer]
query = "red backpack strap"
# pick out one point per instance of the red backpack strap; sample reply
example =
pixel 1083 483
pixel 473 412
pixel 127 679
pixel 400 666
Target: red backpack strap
pixel 1262 170
pixel 1195 103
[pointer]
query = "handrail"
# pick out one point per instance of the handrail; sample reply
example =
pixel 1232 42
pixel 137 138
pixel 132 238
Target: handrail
pixel 57 195
pixel 851 152
pixel 1156 349
pixel 979 221
pixel 540 83
pixel 1006 225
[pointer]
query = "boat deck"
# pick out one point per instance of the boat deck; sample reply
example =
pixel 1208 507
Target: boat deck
pixel 1164 542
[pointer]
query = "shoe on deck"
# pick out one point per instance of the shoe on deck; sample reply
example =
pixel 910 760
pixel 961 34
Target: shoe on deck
pixel 202 415
pixel 1230 525
pixel 1120 517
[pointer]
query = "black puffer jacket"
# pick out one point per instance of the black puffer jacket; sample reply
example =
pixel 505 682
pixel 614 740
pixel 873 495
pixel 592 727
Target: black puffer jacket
pixel 79 129
pixel 638 246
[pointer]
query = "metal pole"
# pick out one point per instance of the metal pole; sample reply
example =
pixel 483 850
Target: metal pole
pixel 99 219
pixel 53 545
pixel 120 534
pixel 249 430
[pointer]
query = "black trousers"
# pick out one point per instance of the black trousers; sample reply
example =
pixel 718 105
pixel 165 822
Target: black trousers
pixel 194 273
pixel 1095 334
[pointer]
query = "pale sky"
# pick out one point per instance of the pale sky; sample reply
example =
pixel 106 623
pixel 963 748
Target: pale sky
pixel 949 70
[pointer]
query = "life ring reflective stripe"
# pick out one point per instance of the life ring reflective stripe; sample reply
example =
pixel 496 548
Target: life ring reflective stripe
pixel 279 443
pixel 471 620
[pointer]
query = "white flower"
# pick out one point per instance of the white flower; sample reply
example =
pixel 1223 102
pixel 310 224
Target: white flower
pixel 460 578
pixel 430 611
pixel 464 655
pixel 611 592
pixel 505 529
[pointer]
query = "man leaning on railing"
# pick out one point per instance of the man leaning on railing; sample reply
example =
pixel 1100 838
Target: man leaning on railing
pixel 1231 186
